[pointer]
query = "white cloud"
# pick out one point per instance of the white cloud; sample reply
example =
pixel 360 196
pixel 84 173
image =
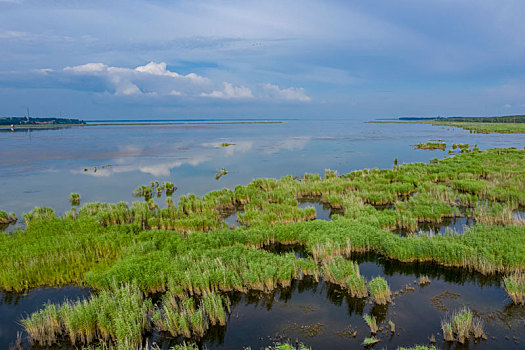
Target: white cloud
pixel 507 105
pixel 88 68
pixel 229 91
pixel 152 79
pixel 288 94
pixel 161 70
pixel 155 79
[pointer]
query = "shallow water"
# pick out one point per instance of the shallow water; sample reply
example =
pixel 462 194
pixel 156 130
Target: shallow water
pixel 15 306
pixel 322 211
pixel 456 225
pixel 42 167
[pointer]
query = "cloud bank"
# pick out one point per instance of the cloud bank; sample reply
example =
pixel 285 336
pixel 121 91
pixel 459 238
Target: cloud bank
pixel 155 79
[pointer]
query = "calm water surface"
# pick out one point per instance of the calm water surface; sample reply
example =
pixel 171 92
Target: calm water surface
pixel 42 167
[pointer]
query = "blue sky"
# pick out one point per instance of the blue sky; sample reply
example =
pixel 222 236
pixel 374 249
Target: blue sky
pixel 268 59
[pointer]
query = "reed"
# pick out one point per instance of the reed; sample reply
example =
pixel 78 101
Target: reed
pixel 345 273
pixel 461 326
pixel 515 287
pixel 119 316
pixel 380 290
pixel 185 346
pixel 392 326
pixel 371 322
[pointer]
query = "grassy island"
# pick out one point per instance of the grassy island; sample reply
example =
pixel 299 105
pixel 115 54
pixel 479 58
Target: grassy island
pixel 514 124
pixel 187 253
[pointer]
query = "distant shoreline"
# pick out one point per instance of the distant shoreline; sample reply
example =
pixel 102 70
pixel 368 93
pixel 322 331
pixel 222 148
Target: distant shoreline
pixel 90 124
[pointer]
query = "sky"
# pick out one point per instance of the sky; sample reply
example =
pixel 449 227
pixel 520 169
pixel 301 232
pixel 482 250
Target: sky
pixel 261 59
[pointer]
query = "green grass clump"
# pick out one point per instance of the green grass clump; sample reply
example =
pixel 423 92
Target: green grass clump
pixel 380 290
pixel 371 322
pixel 515 287
pixel 74 198
pixel 119 316
pixel 345 273
pixel 431 146
pixel 185 346
pixel 183 317
pixel 461 326
pixel 370 341
pixel 286 346
pixel 6 218
pixel 37 214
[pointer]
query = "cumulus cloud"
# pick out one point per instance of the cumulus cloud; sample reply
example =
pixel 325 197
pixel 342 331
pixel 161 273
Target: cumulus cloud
pixel 288 94
pixel 229 91
pixel 157 80
pixel 152 79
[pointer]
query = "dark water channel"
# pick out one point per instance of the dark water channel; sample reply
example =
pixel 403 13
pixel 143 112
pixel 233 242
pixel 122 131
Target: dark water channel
pixel 319 313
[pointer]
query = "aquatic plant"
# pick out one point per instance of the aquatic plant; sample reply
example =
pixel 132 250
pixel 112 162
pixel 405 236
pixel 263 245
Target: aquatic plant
pixel 287 346
pixel 74 198
pixel 461 326
pixel 370 341
pixel 6 218
pixel 423 281
pixel 392 326
pixel 185 346
pixel 118 316
pixel 380 290
pixel 183 317
pixel 345 273
pixel 515 287
pixel 110 240
pixel 431 146
pixel 418 347
pixel 371 322
pixel 220 173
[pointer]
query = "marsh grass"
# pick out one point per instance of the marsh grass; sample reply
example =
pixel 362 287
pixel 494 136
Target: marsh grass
pixel 371 322
pixel 74 198
pixel 345 273
pixel 6 218
pixel 370 341
pixel 461 326
pixel 392 326
pixel 431 146
pixel 515 287
pixel 380 290
pixel 186 318
pixel 119 316
pixel 141 241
